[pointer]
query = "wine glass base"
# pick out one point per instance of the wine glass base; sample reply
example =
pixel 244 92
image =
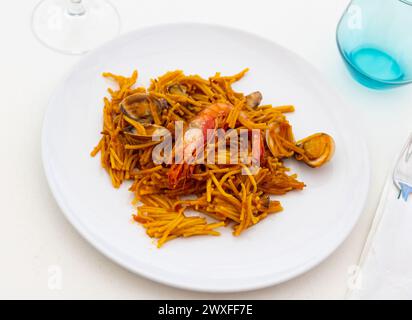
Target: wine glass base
pixel 75 33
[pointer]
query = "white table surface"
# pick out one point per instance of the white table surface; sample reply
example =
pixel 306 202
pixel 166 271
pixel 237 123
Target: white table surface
pixel 34 235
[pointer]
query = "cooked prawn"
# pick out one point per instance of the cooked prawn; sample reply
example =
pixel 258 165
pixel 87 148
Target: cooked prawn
pixel 195 136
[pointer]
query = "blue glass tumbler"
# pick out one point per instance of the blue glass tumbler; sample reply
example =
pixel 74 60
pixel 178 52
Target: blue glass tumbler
pixel 374 38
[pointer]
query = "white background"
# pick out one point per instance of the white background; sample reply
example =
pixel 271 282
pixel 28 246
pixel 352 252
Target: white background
pixel 35 236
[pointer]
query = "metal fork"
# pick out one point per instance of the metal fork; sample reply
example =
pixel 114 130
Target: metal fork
pixel 402 175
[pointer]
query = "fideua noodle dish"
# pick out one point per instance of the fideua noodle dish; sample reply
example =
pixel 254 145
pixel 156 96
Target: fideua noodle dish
pixel 191 144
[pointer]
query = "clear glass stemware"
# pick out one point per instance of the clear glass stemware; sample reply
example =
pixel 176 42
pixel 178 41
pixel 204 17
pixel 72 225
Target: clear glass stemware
pixel 75 26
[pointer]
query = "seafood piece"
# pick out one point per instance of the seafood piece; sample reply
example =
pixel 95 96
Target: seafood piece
pixel 195 136
pixel 318 149
pixel 143 108
pixel 280 140
pixel 211 117
pixel 254 99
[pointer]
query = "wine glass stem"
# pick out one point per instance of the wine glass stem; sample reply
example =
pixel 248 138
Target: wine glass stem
pixel 76 8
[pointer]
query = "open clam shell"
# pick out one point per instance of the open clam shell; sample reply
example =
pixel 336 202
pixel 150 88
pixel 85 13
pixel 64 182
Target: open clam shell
pixel 138 107
pixel 254 99
pixel 318 149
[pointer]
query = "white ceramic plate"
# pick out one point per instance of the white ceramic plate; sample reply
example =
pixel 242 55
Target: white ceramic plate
pixel 314 222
